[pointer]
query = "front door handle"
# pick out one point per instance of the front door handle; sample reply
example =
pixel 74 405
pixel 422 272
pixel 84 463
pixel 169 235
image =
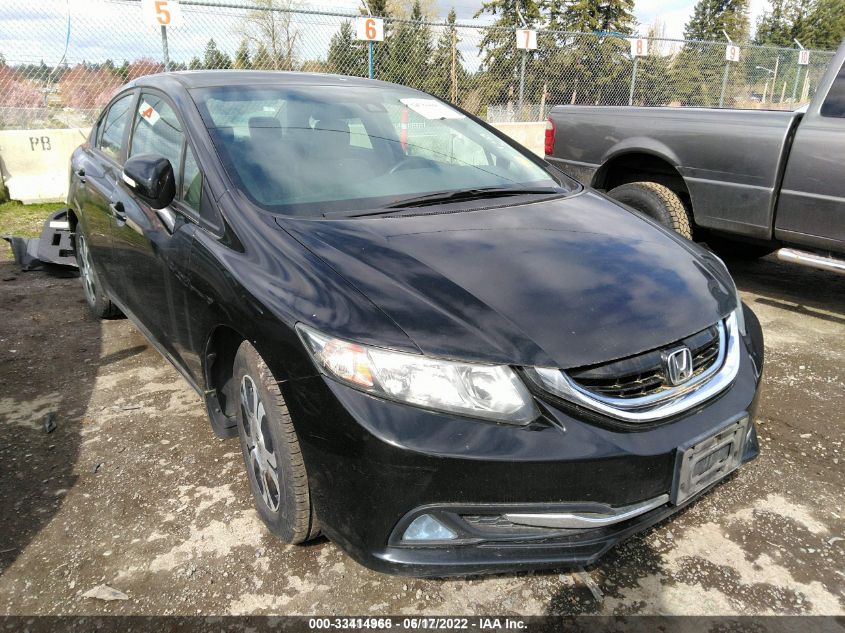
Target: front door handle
pixel 81 173
pixel 117 210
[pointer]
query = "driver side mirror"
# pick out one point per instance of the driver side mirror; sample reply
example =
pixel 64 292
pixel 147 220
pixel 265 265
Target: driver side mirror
pixel 151 177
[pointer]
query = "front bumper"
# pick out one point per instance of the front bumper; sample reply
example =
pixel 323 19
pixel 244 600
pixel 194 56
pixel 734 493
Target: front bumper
pixel 374 465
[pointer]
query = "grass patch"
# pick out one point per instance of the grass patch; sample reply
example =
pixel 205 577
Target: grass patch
pixel 23 220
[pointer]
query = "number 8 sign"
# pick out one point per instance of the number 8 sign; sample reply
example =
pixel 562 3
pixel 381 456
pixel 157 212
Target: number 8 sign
pixel 162 12
pixel 369 29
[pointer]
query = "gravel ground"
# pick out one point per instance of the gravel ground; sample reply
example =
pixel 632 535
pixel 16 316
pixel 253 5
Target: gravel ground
pixel 132 490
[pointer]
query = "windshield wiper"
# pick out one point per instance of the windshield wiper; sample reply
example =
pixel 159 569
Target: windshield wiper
pixel 469 194
pixel 440 197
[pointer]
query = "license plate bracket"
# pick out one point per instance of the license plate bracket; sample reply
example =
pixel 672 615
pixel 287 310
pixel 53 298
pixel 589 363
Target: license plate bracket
pixel 708 459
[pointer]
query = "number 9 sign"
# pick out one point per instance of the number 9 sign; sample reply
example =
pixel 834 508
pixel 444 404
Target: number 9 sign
pixel 369 29
pixel 162 12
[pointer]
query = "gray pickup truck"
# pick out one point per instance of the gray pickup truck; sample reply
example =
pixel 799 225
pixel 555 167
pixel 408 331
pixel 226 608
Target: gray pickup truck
pixel 748 182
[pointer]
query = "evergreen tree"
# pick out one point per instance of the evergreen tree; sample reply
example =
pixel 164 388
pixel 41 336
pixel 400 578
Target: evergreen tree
pixel 440 74
pixel 263 60
pixel 242 58
pixel 698 70
pixel 825 25
pixel 500 58
pixel 195 63
pixel 785 22
pixel 214 58
pixel 410 52
pixel 583 69
pixel 711 17
pixel 347 56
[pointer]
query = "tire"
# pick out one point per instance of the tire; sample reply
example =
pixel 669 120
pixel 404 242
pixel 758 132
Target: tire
pixel 266 433
pixel 657 202
pixel 96 298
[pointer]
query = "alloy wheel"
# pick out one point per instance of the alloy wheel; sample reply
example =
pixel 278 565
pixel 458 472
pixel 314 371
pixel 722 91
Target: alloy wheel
pixel 261 454
pixel 86 271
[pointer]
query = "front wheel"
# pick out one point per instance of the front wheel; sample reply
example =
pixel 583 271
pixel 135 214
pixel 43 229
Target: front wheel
pixel 271 452
pixel 96 298
pixel 657 202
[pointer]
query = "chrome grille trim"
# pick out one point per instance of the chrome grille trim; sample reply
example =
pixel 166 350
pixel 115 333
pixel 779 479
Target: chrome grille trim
pixel 586 519
pixel 656 406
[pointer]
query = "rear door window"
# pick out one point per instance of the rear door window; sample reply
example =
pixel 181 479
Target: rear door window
pixel 834 103
pixel 113 127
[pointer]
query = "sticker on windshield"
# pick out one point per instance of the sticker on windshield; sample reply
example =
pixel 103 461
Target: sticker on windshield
pixel 148 113
pixel 432 109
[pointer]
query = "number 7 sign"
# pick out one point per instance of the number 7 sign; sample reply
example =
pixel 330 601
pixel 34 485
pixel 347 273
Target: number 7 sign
pixel 526 39
pixel 162 12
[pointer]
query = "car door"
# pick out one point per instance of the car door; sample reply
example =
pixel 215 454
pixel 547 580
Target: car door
pixel 152 247
pixel 811 208
pixel 98 171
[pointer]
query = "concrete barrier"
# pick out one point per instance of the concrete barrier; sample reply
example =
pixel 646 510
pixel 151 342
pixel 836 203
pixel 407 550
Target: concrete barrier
pixel 35 163
pixel 532 135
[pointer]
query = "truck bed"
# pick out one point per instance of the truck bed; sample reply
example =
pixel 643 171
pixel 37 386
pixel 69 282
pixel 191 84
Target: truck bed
pixel 731 160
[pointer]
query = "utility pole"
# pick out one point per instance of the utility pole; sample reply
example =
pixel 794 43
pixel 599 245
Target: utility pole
pixel 725 76
pixel 797 72
pixel 164 48
pixel 454 65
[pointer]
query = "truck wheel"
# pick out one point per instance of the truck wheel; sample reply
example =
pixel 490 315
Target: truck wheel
pixel 271 451
pixel 96 298
pixel 657 202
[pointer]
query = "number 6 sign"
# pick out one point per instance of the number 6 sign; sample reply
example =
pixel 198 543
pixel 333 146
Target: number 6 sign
pixel 162 12
pixel 369 29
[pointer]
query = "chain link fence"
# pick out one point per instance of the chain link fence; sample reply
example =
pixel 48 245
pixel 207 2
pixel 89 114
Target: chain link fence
pixel 60 61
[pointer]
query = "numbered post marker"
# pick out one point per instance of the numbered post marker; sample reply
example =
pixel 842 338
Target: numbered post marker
pixel 639 47
pixel 803 57
pixel 732 53
pixel 369 29
pixel 526 39
pixel 162 12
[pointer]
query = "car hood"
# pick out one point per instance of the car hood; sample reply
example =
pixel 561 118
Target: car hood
pixel 566 282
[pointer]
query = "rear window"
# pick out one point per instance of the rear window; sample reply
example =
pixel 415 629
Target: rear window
pixel 834 103
pixel 308 151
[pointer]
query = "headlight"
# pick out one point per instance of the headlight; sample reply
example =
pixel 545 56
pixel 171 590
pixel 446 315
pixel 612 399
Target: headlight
pixel 740 314
pixel 492 392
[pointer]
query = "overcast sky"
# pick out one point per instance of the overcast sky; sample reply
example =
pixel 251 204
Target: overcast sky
pixel 35 30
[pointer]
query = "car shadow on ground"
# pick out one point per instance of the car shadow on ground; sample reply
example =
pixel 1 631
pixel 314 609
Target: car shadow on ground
pixel 799 289
pixel 40 429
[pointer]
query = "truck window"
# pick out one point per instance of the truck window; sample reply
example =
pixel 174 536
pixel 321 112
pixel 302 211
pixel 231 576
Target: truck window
pixel 834 103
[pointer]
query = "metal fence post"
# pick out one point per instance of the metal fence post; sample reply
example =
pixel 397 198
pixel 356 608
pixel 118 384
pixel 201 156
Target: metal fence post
pixel 521 82
pixel 164 48
pixel 370 59
pixel 795 85
pixel 633 81
pixel 724 84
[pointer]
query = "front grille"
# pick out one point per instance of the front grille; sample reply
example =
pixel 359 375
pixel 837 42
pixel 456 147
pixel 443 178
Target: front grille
pixel 644 374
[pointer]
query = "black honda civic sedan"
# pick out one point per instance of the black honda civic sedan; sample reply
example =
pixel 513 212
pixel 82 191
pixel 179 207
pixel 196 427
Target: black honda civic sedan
pixel 435 349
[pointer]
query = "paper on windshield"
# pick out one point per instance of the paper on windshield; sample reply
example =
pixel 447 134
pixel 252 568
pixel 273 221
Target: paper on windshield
pixel 432 109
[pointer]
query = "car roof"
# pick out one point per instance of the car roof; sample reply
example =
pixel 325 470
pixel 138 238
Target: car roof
pixel 207 78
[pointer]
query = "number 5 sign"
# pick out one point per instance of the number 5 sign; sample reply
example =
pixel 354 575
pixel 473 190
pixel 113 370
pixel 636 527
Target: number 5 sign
pixel 162 12
pixel 369 29
pixel 526 39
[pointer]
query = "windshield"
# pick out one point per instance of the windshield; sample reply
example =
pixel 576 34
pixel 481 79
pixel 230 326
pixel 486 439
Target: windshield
pixel 313 150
